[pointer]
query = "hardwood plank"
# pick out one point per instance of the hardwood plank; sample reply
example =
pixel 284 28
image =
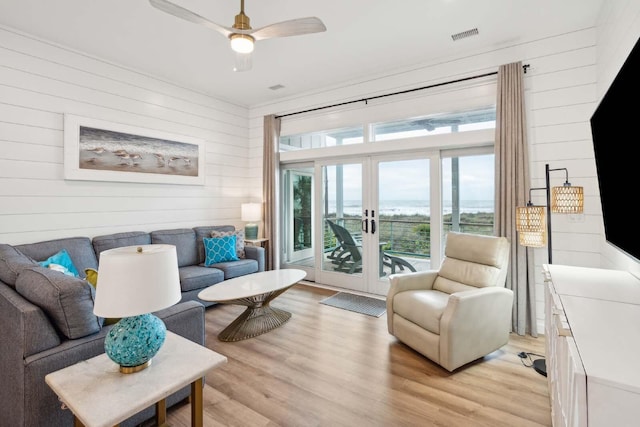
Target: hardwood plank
pixel 333 367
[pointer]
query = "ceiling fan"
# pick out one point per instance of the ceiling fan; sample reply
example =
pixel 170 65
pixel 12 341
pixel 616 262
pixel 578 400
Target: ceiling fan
pixel 242 36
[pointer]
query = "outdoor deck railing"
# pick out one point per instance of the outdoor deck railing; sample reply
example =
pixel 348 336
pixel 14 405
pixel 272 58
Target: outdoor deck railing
pixel 403 237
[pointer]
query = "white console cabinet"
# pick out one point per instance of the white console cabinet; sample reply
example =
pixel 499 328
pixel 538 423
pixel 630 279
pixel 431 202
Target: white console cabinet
pixel 592 328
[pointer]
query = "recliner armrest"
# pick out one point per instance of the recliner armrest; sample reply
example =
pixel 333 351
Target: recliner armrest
pixel 407 282
pixel 419 280
pixel 479 321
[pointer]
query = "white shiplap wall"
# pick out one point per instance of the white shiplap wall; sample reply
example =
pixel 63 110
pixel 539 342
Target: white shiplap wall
pixel 41 81
pixel 560 91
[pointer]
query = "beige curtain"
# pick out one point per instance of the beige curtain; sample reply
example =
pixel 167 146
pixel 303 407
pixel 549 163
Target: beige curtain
pixel 512 187
pixel 270 179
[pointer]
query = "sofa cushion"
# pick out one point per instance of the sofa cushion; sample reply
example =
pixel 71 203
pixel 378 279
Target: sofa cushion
pixel 237 268
pixel 195 277
pixel 12 262
pixel 239 239
pixel 79 249
pixel 117 240
pixel 205 232
pixel 219 249
pixel 67 300
pixel 184 239
pixel 61 262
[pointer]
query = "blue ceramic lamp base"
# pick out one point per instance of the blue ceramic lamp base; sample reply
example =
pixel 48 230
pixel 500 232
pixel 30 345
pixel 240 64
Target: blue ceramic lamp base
pixel 251 231
pixel 133 341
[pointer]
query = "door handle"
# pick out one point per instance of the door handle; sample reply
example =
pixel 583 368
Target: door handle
pixel 365 225
pixel 373 226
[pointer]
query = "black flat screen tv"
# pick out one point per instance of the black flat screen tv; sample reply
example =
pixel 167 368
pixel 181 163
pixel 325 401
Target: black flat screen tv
pixel 615 140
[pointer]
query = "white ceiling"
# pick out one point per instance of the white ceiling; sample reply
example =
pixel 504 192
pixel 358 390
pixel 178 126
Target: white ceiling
pixel 363 37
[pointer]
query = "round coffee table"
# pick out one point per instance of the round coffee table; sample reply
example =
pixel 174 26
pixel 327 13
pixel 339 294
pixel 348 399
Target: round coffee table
pixel 255 291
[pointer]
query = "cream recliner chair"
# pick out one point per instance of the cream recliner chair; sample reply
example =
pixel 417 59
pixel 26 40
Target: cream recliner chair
pixel 459 313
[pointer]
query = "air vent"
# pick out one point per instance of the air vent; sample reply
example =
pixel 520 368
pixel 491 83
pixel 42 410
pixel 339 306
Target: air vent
pixel 276 87
pixel 465 34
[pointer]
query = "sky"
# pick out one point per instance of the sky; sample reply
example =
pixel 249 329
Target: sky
pixel 409 179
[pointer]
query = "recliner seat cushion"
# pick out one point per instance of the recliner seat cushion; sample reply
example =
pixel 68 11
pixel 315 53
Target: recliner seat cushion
pixel 422 307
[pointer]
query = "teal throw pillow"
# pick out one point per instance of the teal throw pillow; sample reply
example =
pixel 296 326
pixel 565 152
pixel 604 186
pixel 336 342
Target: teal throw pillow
pixel 61 262
pixel 219 249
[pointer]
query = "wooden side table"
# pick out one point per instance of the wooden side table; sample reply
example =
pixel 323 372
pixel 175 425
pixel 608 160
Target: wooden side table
pixel 100 396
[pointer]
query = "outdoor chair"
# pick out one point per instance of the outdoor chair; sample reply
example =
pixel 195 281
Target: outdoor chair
pixel 348 255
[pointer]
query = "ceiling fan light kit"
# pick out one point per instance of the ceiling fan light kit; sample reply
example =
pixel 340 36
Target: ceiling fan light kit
pixel 241 35
pixel 241 43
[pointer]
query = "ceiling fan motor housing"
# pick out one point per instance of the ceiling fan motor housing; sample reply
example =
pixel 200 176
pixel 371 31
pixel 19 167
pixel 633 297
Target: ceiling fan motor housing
pixel 242 22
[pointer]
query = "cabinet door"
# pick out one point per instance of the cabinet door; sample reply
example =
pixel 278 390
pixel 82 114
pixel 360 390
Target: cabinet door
pixel 565 373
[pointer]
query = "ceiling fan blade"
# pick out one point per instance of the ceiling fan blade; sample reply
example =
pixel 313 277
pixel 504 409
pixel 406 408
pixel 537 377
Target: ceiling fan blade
pixel 293 27
pixel 243 61
pixel 180 12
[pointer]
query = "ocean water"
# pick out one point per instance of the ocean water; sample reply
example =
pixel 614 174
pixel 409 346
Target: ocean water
pixel 415 207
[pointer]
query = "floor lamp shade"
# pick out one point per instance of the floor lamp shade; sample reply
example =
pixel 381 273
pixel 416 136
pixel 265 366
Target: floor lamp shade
pixel 251 212
pixel 530 218
pixel 567 199
pixel 133 282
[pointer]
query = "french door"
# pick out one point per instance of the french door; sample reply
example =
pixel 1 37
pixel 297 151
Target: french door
pixel 372 220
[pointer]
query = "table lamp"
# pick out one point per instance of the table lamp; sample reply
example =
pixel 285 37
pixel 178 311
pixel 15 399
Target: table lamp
pixel 134 281
pixel 251 212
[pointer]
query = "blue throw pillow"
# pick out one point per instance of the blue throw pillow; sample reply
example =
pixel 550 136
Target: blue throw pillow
pixel 219 249
pixel 62 259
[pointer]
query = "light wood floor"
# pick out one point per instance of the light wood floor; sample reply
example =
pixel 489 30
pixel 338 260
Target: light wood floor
pixel 332 367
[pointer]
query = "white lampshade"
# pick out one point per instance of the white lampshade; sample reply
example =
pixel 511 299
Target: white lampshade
pixel 242 43
pixel 251 212
pixel 136 280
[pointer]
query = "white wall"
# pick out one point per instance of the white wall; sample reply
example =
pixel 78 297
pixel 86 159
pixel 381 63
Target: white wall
pixel 41 81
pixel 560 91
pixel 618 31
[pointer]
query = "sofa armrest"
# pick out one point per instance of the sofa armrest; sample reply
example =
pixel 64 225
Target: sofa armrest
pixel 24 330
pixel 481 319
pixel 256 253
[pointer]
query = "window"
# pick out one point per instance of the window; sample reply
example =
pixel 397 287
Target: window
pixel 483 118
pixel 327 138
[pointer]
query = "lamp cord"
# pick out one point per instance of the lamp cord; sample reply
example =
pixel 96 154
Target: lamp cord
pixel 525 358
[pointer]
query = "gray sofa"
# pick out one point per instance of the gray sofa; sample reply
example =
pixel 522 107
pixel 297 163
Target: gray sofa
pixel 47 322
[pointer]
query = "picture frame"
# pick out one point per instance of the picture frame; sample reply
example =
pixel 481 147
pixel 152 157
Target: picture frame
pixel 99 150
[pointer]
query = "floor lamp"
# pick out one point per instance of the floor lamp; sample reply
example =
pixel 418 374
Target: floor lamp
pixel 531 226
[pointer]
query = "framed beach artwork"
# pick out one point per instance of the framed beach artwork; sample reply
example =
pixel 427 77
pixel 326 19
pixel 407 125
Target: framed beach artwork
pixel 97 150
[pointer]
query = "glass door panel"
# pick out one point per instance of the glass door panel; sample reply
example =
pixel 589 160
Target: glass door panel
pixel 341 202
pixel 298 210
pixel 403 218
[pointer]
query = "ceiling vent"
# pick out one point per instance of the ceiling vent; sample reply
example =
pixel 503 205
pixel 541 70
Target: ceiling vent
pixel 276 87
pixel 465 34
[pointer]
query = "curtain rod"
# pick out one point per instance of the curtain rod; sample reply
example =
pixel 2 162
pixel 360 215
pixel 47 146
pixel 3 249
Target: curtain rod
pixel 365 100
